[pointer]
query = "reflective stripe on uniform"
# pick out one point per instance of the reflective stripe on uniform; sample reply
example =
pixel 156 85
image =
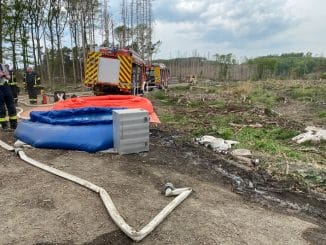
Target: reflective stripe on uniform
pixel 13 118
pixel 3 119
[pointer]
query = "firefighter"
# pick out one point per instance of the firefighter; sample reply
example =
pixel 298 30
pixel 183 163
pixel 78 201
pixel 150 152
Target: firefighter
pixel 32 82
pixel 13 85
pixel 6 100
pixel 193 80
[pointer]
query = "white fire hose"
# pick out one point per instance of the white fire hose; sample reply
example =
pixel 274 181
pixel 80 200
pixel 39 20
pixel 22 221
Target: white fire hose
pixel 169 190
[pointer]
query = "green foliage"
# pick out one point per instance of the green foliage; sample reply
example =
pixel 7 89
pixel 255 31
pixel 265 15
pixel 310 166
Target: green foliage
pixel 270 133
pixel 322 114
pixel 160 95
pixel 200 131
pixel 180 88
pixel 314 177
pixel 282 133
pixel 270 140
pixel 216 103
pixel 171 118
pixel 263 96
pixel 264 67
pixel 308 93
pixel 225 133
pixel 323 75
pixel 271 144
pixel 224 62
pixel 164 98
pixel 212 90
pixel 196 104
pixel 292 65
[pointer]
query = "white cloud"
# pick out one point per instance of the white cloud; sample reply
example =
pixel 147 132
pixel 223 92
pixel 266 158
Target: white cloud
pixel 244 27
pixel 190 6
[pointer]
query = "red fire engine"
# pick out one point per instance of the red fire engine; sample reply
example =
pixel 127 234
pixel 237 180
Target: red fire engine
pixel 119 71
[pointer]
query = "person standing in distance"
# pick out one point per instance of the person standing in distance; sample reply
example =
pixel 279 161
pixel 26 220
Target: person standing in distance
pixel 32 81
pixel 6 100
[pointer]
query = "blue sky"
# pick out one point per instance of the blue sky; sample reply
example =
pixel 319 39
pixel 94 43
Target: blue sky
pixel 243 27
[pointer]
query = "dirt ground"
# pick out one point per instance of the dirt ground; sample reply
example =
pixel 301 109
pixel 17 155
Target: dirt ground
pixel 228 205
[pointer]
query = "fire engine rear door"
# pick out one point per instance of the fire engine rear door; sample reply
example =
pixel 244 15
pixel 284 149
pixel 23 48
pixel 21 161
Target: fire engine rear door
pixel 108 71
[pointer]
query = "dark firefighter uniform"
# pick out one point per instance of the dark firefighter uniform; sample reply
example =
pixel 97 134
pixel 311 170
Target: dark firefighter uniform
pixel 32 82
pixel 6 100
pixel 13 86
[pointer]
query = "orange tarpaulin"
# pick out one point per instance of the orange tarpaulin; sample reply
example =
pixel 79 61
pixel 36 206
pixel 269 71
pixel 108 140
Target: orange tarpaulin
pixel 112 101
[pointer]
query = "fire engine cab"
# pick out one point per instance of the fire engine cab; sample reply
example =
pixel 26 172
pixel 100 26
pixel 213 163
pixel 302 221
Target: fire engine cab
pixel 115 71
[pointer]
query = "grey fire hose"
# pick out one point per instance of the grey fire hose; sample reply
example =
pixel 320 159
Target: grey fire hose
pixel 169 190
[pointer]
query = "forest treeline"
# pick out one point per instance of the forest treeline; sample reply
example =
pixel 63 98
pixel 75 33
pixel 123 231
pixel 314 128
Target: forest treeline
pixel 55 36
pixel 225 67
pixel 32 34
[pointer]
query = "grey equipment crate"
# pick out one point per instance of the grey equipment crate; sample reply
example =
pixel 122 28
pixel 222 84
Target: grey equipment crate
pixel 130 131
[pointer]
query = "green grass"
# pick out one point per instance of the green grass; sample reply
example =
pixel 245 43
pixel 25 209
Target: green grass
pixel 180 88
pixel 314 177
pixel 216 103
pixel 200 131
pixel 269 140
pixel 196 103
pixel 322 114
pixel 213 90
pixel 262 96
pixel 271 143
pixel 225 132
pixel 282 133
pixel 172 118
pixel 164 98
pixel 308 93
pixel 160 95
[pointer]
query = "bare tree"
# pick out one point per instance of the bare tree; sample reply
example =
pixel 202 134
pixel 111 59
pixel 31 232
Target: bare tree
pixel 60 20
pixel 23 28
pixel 50 17
pixel 36 15
pixel 13 22
pixel 88 10
pixel 2 11
pixel 73 13
pixel 106 23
